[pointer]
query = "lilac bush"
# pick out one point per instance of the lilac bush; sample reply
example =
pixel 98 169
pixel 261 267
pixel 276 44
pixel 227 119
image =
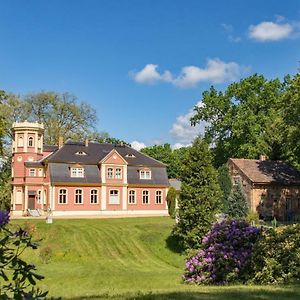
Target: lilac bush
pixel 225 254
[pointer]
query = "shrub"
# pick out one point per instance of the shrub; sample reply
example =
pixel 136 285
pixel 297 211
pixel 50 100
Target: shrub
pixel 276 256
pixel 171 199
pixel 225 254
pixel 19 277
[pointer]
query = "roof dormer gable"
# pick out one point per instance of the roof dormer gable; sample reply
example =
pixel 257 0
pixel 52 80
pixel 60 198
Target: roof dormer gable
pixel 113 158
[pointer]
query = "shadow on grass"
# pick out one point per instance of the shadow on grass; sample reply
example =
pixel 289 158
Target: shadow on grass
pixel 174 244
pixel 222 294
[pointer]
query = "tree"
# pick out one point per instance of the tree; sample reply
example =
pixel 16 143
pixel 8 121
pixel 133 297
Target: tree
pixel 171 199
pixel 237 206
pixel 5 187
pixel 172 158
pixel 240 120
pixel 62 114
pixel 225 183
pixel 200 197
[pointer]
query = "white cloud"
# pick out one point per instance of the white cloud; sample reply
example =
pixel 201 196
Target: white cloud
pixel 150 75
pixel 137 145
pixel 215 71
pixel 180 145
pixel 270 31
pixel 183 132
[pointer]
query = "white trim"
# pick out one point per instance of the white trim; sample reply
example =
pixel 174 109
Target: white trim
pixel 124 198
pixel 94 189
pixel 143 197
pixel 125 174
pixel 82 194
pixel 103 198
pixel 135 197
pixel 74 213
pixel 58 198
pixel 103 173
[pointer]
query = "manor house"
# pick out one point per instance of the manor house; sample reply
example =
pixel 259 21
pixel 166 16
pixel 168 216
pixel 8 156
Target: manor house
pixel 83 178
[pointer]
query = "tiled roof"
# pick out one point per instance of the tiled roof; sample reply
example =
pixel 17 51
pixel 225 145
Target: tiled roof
pixel 268 171
pixel 95 152
pixel 50 148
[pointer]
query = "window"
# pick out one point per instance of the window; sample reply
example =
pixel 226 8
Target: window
pixel 145 197
pixel 20 142
pixel 62 196
pixel 158 197
pixel 80 153
pixel 30 141
pixel 130 155
pixel 32 172
pixel 110 173
pixel 77 172
pixel 114 197
pixel 131 198
pixel 94 196
pixel 118 173
pixel 236 180
pixel 78 197
pixel 145 174
pixel 39 197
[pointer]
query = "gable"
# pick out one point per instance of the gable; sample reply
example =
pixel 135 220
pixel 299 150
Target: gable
pixel 114 158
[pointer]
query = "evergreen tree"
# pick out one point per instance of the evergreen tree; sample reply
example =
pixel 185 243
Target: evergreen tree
pixel 225 183
pixel 237 206
pixel 200 196
pixel 171 199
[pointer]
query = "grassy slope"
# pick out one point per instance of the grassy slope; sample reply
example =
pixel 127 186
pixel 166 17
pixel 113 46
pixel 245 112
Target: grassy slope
pixel 124 258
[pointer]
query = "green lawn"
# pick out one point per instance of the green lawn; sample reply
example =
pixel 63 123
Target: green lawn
pixel 123 259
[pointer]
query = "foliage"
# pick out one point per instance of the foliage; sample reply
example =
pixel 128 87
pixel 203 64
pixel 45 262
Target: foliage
pixel 5 187
pixel 225 183
pixel 276 256
pixel 225 254
pixel 171 199
pixel 200 196
pixel 19 277
pixel 245 120
pixel 237 206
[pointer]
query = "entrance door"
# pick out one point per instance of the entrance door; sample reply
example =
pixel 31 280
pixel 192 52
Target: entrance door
pixel 31 201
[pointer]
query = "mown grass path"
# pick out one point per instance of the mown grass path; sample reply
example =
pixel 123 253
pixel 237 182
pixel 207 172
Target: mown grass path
pixel 122 259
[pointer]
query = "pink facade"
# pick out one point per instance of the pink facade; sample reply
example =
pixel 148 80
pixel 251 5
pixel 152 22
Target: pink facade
pixel 100 187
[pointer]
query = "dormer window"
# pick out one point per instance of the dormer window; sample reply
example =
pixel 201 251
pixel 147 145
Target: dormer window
pixel 77 172
pixel 145 174
pixel 80 153
pixel 129 155
pixel 30 141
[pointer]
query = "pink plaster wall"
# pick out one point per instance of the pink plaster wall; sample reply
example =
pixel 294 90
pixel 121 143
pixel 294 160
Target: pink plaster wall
pixel 71 199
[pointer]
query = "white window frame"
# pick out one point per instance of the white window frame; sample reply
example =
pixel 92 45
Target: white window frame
pixel 145 174
pixel 160 195
pixel 93 196
pixel 77 172
pixel 63 195
pixel 118 173
pixel 39 196
pixel 77 195
pixel 146 193
pixel 110 199
pixel 30 142
pixel 110 173
pixel 20 141
pixel 130 197
pixel 32 172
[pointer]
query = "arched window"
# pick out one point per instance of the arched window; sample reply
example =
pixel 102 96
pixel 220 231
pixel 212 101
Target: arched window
pixel 158 197
pixel 94 196
pixel 30 141
pixel 62 196
pixel 114 197
pixel 146 197
pixel 20 142
pixel 78 197
pixel 131 197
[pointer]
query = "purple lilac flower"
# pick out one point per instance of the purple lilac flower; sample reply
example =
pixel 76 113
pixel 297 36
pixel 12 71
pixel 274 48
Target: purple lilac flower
pixel 4 217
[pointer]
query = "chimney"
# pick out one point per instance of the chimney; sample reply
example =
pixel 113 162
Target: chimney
pixel 86 142
pixel 262 157
pixel 60 142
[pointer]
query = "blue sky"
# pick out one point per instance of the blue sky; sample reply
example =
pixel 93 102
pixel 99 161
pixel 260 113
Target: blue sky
pixel 144 64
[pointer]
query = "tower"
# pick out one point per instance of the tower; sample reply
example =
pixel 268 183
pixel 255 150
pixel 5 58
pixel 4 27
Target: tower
pixel 27 172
